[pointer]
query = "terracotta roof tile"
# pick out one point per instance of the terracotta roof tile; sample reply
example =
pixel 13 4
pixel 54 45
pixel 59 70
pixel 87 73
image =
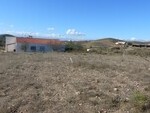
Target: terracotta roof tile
pixel 38 41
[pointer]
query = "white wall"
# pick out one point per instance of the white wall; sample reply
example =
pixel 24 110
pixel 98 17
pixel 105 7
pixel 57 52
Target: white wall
pixel 10 45
pixel 19 47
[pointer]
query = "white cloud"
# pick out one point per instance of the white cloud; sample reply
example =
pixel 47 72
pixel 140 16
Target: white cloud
pixel 52 35
pixel 133 39
pixel 37 34
pixel 74 32
pixel 34 34
pixel 50 29
pixel 22 33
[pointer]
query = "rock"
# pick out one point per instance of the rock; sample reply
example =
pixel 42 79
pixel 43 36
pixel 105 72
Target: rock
pixel 116 89
pixel 128 90
pixel 80 104
pixel 146 106
pixel 126 100
pixel 77 93
pixel 102 111
pixel 97 81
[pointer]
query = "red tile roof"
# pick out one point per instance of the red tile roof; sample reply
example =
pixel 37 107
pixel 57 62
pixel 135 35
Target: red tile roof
pixel 38 41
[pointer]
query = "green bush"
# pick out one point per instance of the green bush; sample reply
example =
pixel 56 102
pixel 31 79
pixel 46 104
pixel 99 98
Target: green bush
pixel 72 46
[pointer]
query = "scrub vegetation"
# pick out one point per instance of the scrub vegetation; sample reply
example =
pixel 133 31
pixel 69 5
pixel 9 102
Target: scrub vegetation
pixel 74 83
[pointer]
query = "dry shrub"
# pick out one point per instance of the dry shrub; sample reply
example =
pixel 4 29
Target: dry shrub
pixel 143 52
pixel 116 101
pixel 93 66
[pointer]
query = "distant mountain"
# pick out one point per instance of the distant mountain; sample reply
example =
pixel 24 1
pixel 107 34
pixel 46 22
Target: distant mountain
pixel 2 39
pixel 105 42
pixel 110 39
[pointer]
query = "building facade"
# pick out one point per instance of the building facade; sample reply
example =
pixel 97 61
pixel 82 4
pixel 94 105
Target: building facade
pixel 19 44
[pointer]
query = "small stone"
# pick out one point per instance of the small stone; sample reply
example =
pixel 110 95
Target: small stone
pixel 116 89
pixel 97 81
pixel 128 90
pixel 80 104
pixel 146 106
pixel 64 85
pixel 102 111
pixel 126 100
pixel 77 93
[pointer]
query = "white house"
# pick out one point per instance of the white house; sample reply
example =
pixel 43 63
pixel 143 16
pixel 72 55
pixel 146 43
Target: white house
pixel 29 44
pixel 120 43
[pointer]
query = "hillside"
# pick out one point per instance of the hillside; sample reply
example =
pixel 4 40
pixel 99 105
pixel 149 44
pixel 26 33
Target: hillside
pixel 108 42
pixel 105 42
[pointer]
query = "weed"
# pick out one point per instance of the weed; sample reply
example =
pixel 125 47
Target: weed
pixel 140 101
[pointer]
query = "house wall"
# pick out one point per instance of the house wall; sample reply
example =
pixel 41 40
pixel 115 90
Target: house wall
pixel 25 47
pixel 59 48
pixel 11 44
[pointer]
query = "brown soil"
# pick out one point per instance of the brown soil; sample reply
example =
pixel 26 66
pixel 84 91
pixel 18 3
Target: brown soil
pixel 90 83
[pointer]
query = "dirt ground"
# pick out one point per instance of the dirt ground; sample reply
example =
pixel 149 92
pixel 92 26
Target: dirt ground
pixel 72 83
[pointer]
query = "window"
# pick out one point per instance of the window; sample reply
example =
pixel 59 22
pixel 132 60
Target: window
pixel 33 48
pixel 42 48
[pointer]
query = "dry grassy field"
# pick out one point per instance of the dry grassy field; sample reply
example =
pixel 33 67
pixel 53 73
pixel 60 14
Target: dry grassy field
pixel 74 83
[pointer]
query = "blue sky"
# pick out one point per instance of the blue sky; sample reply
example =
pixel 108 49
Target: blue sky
pixel 77 19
